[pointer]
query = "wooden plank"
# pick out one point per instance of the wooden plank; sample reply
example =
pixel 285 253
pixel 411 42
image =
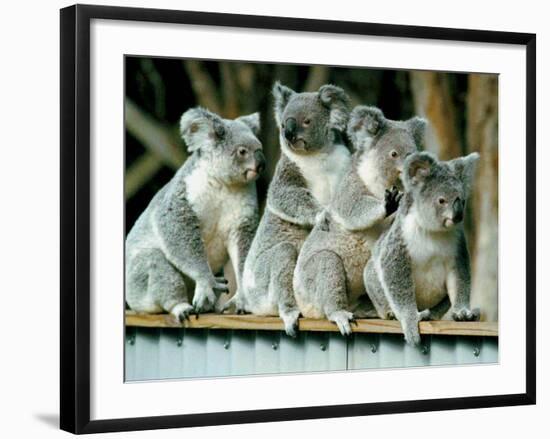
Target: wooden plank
pixel 253 322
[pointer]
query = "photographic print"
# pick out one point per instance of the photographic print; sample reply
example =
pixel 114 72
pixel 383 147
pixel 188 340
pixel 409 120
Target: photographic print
pixel 285 218
pixel 241 216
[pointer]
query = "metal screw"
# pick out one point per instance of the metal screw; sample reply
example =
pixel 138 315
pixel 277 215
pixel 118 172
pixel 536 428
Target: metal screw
pixel 323 347
pixel 179 342
pixel 477 351
pixel 274 345
pixel 373 348
pixel 226 344
pixel 132 340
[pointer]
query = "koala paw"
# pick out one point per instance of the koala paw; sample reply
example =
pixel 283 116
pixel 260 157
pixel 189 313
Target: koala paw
pixel 237 301
pixel 182 311
pixel 391 199
pixel 220 285
pixel 410 328
pixel 465 314
pixel 290 319
pixel 205 298
pixel 343 320
pixel 412 336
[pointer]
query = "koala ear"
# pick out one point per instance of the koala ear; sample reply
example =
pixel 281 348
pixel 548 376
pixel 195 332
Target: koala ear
pixel 465 168
pixel 417 126
pixel 418 166
pixel 365 122
pixel 201 128
pixel 252 121
pixel 337 101
pixel 282 95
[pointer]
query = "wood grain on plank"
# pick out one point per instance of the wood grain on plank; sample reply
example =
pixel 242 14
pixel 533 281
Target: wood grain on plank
pixel 253 322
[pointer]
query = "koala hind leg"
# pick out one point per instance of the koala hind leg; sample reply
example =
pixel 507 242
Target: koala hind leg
pixel 167 285
pixel 330 288
pixel 283 261
pixel 376 292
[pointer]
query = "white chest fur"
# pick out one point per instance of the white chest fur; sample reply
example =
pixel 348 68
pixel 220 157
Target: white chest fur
pixel 432 258
pixel 322 172
pixel 220 209
pixel 370 175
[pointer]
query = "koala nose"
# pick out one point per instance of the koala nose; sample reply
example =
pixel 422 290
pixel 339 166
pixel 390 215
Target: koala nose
pixel 260 161
pixel 290 129
pixel 458 211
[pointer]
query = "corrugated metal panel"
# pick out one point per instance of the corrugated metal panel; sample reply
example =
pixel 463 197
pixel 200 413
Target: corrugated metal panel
pixel 153 353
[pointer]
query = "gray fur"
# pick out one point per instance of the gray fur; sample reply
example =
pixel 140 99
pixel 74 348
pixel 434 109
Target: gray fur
pixel 328 280
pixel 421 265
pixel 205 214
pixel 311 164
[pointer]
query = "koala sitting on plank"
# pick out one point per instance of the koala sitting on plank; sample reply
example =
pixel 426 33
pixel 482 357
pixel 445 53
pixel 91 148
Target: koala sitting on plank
pixel 328 281
pixel 312 162
pixel 422 261
pixel 205 214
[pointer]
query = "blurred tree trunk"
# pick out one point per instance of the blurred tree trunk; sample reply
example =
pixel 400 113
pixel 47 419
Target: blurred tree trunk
pixel 433 100
pixel 482 135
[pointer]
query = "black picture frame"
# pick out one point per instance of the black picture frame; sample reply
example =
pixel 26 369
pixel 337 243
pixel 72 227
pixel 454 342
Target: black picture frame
pixel 75 217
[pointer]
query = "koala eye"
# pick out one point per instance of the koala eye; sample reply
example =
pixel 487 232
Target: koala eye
pixel 441 200
pixel 242 151
pixel 394 153
pixel 306 122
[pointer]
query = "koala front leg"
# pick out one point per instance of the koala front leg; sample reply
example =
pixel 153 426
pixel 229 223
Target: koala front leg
pixel 179 231
pixel 290 199
pixel 331 289
pixel 162 285
pixel 459 284
pixel 238 247
pixel 283 262
pixel 394 272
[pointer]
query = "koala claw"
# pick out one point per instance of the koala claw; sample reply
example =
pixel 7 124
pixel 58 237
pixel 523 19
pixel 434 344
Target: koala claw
pixel 391 199
pixel 343 320
pixel 466 315
pixel 221 287
pixel 205 294
pixel 236 301
pixel 182 311
pixel 221 279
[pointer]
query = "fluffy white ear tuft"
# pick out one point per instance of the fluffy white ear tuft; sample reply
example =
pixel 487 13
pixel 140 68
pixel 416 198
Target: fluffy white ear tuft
pixel 365 123
pixel 417 126
pixel 465 168
pixel 252 121
pixel 282 95
pixel 335 99
pixel 418 166
pixel 201 128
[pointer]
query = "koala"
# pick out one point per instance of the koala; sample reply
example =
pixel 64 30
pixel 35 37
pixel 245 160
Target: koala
pixel 422 260
pixel 206 214
pixel 312 162
pixel 328 280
